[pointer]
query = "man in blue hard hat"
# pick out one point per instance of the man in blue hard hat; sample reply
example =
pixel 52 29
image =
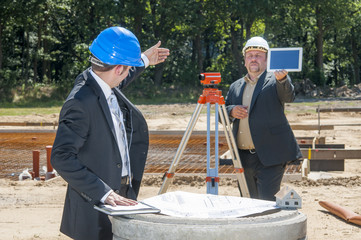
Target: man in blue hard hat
pixel 102 140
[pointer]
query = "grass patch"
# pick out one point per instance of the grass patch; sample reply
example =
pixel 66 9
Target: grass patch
pixel 19 111
pixel 30 107
pixel 33 104
pixel 161 100
pixel 310 105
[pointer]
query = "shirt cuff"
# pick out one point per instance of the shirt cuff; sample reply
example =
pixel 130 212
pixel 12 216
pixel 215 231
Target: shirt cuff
pixel 105 196
pixel 145 60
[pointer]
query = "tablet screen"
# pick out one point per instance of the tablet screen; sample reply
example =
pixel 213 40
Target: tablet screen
pixel 289 59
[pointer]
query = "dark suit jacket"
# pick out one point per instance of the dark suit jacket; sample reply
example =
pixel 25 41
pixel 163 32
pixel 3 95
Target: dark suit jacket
pixel 86 155
pixel 271 133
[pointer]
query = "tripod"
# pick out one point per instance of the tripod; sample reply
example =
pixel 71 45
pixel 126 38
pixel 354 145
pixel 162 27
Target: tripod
pixel 211 95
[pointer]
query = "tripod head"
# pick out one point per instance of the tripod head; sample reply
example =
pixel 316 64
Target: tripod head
pixel 211 94
pixel 210 80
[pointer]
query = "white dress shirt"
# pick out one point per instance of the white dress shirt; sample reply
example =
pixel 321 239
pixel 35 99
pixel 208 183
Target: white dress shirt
pixel 107 92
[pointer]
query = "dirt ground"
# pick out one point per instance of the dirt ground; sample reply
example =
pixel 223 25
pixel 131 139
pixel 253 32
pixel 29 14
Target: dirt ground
pixel 32 210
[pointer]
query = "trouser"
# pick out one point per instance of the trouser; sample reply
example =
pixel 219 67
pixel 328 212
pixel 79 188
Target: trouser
pixel 127 191
pixel 263 181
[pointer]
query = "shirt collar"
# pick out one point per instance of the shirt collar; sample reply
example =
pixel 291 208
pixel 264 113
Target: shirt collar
pixel 105 87
pixel 249 80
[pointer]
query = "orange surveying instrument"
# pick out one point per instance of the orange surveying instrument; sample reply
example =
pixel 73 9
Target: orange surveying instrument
pixel 211 95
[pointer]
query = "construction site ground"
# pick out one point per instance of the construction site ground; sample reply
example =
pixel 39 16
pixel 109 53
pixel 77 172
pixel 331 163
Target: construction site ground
pixel 32 209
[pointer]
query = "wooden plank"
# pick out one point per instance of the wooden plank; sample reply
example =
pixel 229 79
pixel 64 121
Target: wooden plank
pixel 339 109
pixel 326 164
pixel 323 146
pixel 309 140
pixel 347 124
pixel 332 154
pixel 33 124
pixel 311 127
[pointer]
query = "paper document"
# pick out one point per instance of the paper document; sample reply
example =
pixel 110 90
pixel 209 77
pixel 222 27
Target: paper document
pixel 124 210
pixel 184 204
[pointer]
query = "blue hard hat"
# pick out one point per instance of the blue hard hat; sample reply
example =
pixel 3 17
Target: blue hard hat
pixel 117 46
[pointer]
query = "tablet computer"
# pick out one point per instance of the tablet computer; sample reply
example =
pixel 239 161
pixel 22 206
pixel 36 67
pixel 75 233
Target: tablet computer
pixel 289 59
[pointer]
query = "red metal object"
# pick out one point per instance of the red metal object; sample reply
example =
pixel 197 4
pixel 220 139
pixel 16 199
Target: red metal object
pixel 210 78
pixel 169 175
pixel 48 158
pixel 36 161
pixel 239 170
pixel 211 94
pixel 209 179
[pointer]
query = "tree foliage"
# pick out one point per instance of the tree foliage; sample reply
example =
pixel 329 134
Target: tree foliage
pixel 46 41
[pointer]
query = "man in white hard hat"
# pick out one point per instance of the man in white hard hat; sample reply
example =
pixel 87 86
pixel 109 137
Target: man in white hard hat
pixel 255 104
pixel 102 140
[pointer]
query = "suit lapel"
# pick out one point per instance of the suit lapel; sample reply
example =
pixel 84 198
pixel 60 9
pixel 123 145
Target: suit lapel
pixel 120 96
pixel 102 103
pixel 242 87
pixel 106 111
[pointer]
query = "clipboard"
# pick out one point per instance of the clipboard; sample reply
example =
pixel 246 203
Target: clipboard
pixel 140 208
pixel 289 59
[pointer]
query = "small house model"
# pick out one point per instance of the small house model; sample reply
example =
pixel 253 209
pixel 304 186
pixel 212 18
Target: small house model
pixel 288 198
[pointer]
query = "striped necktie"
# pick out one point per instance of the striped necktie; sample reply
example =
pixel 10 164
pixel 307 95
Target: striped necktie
pixel 122 136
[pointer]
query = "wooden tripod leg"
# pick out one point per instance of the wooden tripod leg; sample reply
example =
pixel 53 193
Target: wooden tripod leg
pixel 234 151
pixel 169 175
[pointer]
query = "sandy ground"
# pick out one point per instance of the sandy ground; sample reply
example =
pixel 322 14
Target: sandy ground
pixel 32 210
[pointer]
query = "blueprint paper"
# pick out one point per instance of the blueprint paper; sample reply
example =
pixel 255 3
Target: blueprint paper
pixel 185 204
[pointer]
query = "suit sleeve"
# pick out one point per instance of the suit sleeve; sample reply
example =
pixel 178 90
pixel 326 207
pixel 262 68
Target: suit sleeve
pixel 285 90
pixel 229 102
pixel 134 72
pixel 71 136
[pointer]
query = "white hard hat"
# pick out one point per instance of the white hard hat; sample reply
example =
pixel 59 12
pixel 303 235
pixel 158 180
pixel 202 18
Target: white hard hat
pixel 256 43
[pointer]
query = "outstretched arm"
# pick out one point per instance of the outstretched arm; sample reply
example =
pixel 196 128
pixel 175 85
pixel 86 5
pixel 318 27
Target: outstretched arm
pixel 285 89
pixel 156 54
